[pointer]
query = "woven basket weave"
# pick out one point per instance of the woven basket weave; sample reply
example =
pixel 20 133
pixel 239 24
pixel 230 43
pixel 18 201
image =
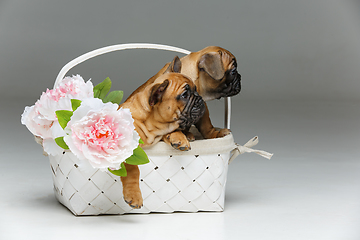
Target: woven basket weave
pixel 173 181
pixel 169 183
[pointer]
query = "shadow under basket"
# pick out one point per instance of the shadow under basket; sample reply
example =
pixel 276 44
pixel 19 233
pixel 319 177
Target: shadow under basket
pixel 173 181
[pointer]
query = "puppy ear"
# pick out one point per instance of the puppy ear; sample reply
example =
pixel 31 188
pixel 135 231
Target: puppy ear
pixel 157 92
pixel 175 66
pixel 212 65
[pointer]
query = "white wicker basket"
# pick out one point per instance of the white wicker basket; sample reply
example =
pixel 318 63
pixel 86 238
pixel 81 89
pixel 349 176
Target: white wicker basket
pixel 173 181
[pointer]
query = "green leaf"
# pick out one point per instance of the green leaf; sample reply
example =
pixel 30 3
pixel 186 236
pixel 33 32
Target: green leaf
pixel 141 141
pixel 75 104
pixel 96 93
pixel 114 97
pixel 60 141
pixel 64 117
pixel 139 157
pixel 103 88
pixel 121 172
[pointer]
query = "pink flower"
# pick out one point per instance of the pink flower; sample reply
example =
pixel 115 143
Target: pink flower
pixel 60 98
pixel 101 134
pixel 41 118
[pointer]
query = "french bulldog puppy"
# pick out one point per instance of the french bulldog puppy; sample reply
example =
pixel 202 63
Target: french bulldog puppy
pixel 161 110
pixel 214 72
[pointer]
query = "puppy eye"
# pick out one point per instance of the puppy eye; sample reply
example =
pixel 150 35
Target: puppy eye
pixel 185 94
pixel 233 71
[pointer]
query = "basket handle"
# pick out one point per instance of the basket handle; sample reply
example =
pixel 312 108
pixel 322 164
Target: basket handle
pixel 119 47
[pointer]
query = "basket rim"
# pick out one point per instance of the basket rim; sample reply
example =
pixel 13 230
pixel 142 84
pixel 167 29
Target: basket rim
pixel 198 147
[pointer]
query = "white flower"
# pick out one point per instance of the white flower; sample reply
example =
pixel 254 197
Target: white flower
pixel 101 134
pixel 41 118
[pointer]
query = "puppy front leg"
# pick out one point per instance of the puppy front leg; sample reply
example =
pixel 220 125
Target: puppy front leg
pixel 131 189
pixel 177 140
pixel 207 130
pixel 189 136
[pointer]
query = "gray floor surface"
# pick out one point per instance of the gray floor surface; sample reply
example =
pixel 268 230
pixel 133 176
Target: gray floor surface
pixel 310 189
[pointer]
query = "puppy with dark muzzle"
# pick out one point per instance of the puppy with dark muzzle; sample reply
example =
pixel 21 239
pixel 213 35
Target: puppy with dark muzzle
pixel 214 72
pixel 161 110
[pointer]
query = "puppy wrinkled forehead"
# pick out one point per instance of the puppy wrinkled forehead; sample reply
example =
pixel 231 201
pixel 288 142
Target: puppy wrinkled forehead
pixel 177 78
pixel 229 58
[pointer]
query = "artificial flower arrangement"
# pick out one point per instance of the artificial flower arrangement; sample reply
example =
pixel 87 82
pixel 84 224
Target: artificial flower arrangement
pixel 86 120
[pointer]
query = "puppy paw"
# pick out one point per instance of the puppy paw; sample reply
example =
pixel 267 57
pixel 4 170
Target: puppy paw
pixel 181 146
pixel 213 133
pixel 189 136
pixel 223 132
pixel 177 140
pixel 133 198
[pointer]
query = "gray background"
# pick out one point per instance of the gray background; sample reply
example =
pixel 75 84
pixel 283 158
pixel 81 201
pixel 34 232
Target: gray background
pixel 299 62
pixel 303 50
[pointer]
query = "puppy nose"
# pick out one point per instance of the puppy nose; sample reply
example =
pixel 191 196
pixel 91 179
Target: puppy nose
pixel 200 100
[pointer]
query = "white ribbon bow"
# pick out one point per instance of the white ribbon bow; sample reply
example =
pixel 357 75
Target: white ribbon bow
pixel 246 148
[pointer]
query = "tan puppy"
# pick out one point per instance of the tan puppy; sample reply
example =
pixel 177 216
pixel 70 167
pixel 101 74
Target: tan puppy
pixel 161 110
pixel 214 72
